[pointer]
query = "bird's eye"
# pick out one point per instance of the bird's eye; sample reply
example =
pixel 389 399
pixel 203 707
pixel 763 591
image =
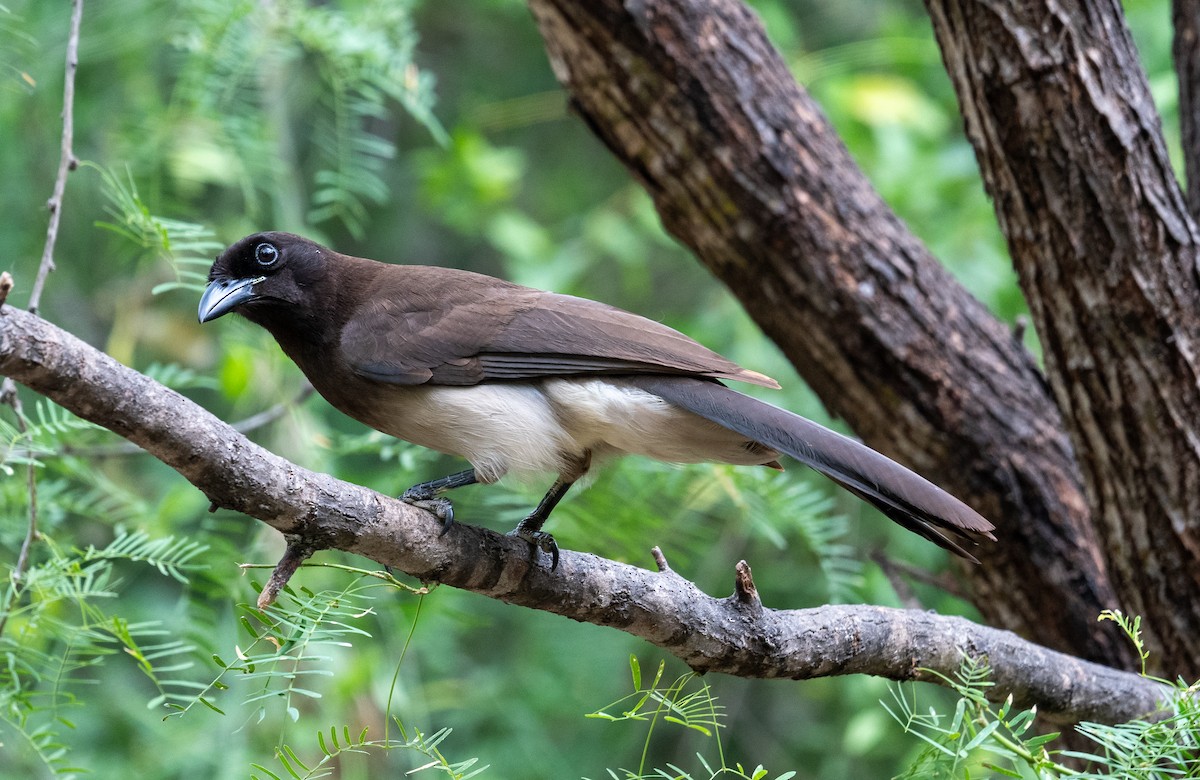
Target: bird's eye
pixel 266 255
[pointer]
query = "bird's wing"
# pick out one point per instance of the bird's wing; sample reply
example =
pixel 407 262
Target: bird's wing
pixel 475 329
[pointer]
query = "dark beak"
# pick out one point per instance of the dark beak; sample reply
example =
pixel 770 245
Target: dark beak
pixel 223 295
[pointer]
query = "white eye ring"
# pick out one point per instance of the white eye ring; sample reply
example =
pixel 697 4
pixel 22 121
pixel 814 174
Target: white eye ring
pixel 266 255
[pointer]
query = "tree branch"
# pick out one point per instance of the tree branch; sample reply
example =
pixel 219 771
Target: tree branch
pixel 735 635
pixel 745 170
pixel 248 425
pixel 66 161
pixel 8 392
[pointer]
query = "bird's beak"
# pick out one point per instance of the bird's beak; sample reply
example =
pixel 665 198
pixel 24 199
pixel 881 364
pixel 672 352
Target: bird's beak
pixel 222 295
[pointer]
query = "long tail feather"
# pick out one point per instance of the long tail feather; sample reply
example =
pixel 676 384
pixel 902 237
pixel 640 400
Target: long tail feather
pixel 904 496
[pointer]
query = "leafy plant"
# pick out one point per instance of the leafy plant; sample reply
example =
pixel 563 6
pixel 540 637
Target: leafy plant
pixel 187 246
pixel 336 746
pixel 291 86
pixel 285 648
pixel 677 704
pixel 54 631
pixel 979 735
pixel 290 644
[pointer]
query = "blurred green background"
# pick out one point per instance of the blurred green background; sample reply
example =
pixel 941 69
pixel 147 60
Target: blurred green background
pixel 429 132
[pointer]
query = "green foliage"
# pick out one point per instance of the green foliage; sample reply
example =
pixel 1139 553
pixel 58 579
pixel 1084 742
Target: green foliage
pixel 289 647
pixel 981 737
pixel 188 247
pixel 284 650
pixel 268 90
pixel 977 736
pixel 682 703
pixel 56 631
pixel 16 44
pixel 20 449
pixel 1132 629
pixel 335 746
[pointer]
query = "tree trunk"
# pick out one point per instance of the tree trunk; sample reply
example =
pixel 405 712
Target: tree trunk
pixel 745 170
pixel 1071 149
pixel 1185 16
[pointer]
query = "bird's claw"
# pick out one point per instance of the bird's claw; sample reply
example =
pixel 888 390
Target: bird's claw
pixel 439 507
pixel 539 540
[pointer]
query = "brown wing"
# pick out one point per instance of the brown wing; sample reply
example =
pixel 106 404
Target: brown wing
pixel 458 328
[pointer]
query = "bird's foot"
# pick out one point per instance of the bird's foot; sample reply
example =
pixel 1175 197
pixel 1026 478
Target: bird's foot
pixel 428 495
pixel 538 540
pixel 440 507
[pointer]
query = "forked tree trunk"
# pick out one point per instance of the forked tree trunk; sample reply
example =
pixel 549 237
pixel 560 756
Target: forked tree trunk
pixel 1059 111
pixel 746 171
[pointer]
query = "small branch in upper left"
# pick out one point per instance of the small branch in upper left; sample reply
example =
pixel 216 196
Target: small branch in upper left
pixel 8 390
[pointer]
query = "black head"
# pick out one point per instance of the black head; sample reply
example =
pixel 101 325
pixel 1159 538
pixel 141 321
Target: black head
pixel 264 273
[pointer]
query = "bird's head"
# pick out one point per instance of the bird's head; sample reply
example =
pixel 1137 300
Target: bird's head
pixel 264 274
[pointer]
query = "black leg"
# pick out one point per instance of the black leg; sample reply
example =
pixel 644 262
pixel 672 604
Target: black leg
pixel 428 495
pixel 530 529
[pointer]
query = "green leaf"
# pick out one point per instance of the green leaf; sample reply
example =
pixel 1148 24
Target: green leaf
pixel 204 700
pixel 981 737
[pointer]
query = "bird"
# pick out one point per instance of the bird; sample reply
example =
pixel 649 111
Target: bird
pixel 520 381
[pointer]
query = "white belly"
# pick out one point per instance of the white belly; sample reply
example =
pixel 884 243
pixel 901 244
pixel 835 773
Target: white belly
pixel 552 425
pixel 608 414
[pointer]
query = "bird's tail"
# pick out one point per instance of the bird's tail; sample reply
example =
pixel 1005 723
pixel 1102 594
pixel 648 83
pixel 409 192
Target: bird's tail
pixel 906 497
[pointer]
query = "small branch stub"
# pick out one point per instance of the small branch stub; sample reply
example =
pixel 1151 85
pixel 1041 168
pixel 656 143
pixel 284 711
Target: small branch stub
pixel 744 589
pixel 660 560
pixel 6 285
pixel 296 553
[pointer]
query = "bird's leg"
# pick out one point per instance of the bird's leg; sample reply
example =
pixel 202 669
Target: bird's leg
pixel 428 495
pixel 530 529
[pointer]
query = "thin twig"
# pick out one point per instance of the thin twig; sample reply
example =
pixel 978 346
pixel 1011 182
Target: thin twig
pixel 251 423
pixel 897 571
pixel 268 416
pixel 903 590
pixel 66 161
pixel 380 574
pixel 8 390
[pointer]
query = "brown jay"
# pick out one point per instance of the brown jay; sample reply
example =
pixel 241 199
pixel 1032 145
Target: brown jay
pixel 517 381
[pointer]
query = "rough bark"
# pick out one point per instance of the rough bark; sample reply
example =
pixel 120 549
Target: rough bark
pixel 735 635
pixel 1071 149
pixel 746 171
pixel 1185 17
